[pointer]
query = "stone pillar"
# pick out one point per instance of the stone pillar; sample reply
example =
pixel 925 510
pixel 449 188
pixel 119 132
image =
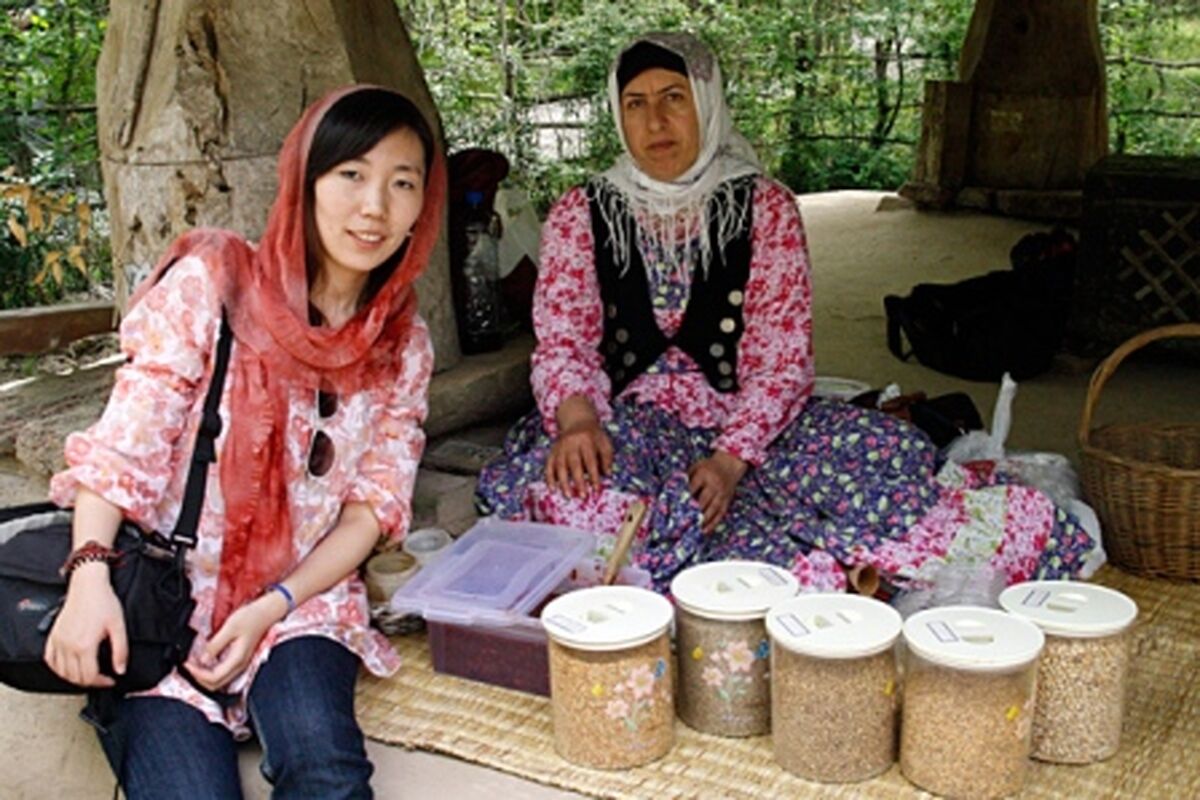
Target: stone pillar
pixel 194 98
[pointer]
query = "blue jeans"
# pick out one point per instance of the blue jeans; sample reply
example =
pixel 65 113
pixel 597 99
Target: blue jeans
pixel 301 708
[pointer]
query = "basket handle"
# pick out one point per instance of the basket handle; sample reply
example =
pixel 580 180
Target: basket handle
pixel 1109 365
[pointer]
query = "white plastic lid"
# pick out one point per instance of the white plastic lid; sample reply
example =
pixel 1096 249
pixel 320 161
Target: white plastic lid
pixel 838 388
pixel 732 590
pixel 1070 608
pixel 607 617
pixel 834 625
pixel 973 638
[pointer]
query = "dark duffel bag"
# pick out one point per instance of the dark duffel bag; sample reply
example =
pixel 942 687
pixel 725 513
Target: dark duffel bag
pixel 1005 321
pixel 976 329
pixel 148 576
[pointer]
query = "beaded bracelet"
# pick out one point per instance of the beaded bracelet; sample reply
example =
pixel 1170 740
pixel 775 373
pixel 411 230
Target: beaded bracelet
pixel 89 551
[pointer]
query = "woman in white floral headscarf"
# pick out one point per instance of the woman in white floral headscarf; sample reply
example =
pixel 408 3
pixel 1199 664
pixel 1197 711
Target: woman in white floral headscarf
pixel 674 364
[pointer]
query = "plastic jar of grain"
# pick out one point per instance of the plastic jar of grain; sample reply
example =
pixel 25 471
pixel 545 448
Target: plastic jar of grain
pixel 969 688
pixel 1083 670
pixel 611 694
pixel 722 644
pixel 834 687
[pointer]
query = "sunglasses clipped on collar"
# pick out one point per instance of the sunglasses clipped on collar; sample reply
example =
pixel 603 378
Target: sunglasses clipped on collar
pixel 321 452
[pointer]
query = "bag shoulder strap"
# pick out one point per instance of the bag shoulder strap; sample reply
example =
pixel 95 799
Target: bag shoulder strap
pixel 205 451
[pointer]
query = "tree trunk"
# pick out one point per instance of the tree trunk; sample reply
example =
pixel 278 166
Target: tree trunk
pixel 194 98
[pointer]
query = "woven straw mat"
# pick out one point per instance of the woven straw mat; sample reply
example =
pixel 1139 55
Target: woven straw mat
pixel 511 731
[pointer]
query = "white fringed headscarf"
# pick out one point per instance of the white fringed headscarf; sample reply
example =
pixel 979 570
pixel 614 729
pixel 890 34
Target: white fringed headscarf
pixel 671 215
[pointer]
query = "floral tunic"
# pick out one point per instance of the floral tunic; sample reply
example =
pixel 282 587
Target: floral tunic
pixel 136 457
pixel 775 367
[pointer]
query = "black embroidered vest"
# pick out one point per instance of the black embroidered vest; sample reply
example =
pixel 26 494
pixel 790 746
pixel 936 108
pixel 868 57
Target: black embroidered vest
pixel 712 320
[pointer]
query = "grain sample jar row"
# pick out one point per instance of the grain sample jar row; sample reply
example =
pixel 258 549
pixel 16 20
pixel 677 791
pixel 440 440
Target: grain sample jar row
pixel 981 689
pixel 612 672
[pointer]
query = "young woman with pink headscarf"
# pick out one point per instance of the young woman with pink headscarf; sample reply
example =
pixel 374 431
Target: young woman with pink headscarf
pixel 321 414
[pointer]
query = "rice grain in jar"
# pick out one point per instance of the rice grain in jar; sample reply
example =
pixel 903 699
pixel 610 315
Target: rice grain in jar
pixel 1083 671
pixel 834 686
pixel 722 643
pixel 611 694
pixel 969 693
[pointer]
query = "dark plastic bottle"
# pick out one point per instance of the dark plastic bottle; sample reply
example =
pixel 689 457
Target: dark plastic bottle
pixel 480 322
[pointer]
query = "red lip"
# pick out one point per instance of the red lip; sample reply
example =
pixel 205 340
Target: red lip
pixel 661 145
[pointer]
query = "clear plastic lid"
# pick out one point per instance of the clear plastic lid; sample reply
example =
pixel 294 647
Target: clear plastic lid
pixel 493 573
pixel 1070 608
pixel 732 590
pixel 607 617
pixel 973 638
pixel 834 625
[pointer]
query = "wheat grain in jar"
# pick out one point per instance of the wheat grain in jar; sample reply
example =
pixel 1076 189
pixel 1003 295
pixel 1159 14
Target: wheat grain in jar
pixel 834 686
pixel 968 702
pixel 724 653
pixel 611 693
pixel 1084 670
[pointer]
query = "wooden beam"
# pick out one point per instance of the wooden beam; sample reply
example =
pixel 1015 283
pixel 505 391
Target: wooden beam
pixel 38 330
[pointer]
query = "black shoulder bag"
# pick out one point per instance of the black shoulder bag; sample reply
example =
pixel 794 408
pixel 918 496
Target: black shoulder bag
pixel 149 576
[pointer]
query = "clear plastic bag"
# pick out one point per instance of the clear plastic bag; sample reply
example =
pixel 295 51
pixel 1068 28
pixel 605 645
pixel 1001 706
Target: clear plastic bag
pixel 985 445
pixel 954 583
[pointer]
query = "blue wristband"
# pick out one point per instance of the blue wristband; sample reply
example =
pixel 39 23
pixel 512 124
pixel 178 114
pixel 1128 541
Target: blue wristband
pixel 287 595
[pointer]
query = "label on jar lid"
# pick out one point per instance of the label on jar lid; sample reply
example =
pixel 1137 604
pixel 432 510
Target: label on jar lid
pixel 833 625
pixel 732 590
pixel 607 617
pixel 973 638
pixel 1070 608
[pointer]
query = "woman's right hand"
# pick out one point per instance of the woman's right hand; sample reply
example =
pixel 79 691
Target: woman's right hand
pixel 90 614
pixel 582 454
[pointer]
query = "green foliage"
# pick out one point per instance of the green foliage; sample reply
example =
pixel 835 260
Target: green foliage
pixel 51 249
pixel 1152 108
pixel 48 152
pixel 828 91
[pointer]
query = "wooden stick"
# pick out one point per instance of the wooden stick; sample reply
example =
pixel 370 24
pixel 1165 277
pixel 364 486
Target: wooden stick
pixel 633 518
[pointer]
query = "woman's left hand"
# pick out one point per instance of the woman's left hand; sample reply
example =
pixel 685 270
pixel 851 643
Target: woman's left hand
pixel 229 651
pixel 712 481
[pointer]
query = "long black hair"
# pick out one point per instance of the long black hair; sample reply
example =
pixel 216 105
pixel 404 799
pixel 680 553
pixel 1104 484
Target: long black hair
pixel 352 126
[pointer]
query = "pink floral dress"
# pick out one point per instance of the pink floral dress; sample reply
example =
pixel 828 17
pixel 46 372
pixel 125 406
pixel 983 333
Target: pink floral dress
pixel 136 457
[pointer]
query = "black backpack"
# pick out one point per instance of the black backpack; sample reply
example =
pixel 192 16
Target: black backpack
pixel 1005 321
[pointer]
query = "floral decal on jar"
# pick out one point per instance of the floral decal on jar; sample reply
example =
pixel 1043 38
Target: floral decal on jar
pixel 631 700
pixel 730 667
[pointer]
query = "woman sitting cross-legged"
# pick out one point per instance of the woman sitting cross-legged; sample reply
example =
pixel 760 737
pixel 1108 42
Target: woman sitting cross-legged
pixel 674 365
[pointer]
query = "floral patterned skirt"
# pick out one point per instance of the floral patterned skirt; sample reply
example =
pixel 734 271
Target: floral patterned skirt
pixel 840 487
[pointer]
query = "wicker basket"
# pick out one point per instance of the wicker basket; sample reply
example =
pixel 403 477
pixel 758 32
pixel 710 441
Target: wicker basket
pixel 1143 479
